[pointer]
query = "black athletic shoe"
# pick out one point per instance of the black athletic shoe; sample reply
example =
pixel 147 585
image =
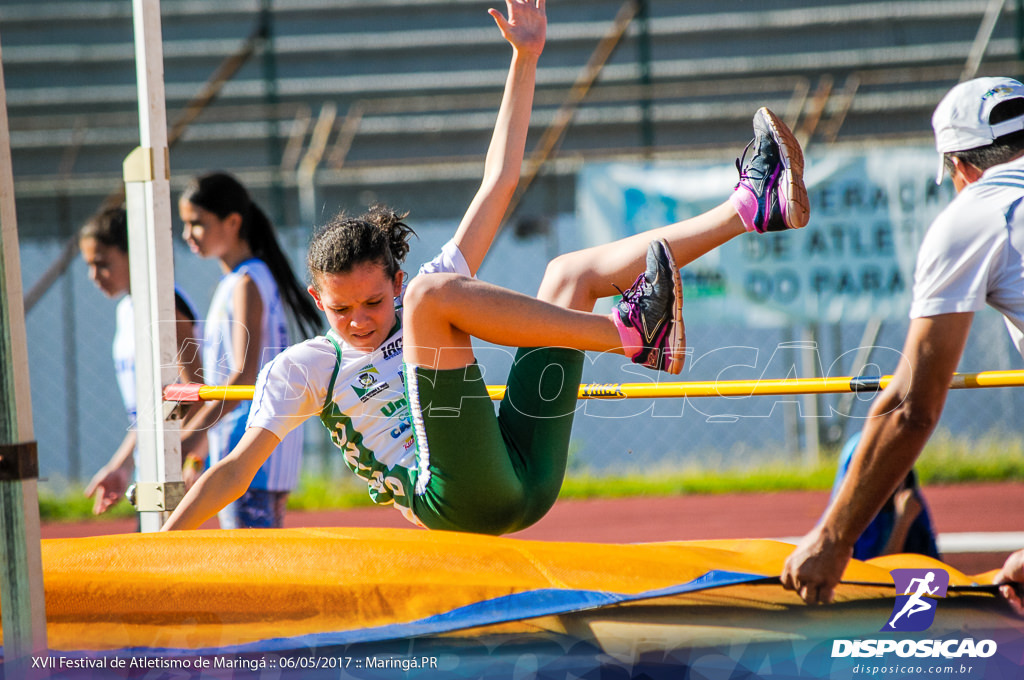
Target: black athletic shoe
pixel 653 308
pixel 774 175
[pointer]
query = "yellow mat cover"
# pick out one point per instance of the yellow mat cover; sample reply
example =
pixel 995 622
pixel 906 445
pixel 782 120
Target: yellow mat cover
pixel 206 589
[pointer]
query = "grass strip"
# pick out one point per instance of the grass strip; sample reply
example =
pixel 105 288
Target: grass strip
pixel 946 460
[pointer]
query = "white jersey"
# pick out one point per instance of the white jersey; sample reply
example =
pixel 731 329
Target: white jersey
pixel 371 416
pixel 124 348
pixel 124 356
pixel 973 254
pixel 281 470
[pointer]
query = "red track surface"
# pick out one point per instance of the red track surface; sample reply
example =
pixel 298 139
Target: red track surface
pixel 955 509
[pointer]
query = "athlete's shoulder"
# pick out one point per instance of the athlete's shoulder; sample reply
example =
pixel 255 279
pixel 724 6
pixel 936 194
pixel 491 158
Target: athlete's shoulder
pixel 253 274
pixel 313 351
pixel 309 363
pixel 253 266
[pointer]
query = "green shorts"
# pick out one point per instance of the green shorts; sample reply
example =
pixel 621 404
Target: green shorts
pixel 493 473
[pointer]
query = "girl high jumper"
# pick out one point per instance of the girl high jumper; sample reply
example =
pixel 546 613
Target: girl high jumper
pixel 395 380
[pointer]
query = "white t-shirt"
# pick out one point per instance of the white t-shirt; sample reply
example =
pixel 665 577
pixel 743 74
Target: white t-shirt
pixel 280 472
pixel 973 253
pixel 124 356
pixel 124 348
pixel 369 390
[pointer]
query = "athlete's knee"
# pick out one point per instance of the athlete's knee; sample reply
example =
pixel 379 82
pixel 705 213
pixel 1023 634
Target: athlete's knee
pixel 569 281
pixel 430 291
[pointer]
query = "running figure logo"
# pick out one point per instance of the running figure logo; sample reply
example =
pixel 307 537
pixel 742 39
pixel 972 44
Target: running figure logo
pixel 915 608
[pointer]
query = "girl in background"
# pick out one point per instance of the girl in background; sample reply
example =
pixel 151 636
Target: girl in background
pixel 103 242
pixel 245 328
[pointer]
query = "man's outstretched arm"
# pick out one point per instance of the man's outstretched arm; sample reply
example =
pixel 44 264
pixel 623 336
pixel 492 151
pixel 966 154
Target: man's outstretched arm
pixel 901 420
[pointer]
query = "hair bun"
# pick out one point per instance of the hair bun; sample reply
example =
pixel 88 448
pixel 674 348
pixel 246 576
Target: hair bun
pixel 393 225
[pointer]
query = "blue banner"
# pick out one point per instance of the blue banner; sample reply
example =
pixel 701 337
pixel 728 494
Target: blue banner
pixel 853 261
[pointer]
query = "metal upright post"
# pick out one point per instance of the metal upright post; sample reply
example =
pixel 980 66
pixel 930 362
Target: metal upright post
pixel 21 582
pixel 809 403
pixel 271 99
pixel 644 56
pixel 148 197
pixel 1020 29
pixel 982 39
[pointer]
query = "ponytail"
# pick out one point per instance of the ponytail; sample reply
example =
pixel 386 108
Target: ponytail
pixel 380 236
pixel 222 195
pixel 262 240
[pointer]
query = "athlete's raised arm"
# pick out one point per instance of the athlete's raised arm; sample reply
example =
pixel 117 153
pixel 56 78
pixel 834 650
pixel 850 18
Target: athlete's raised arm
pixel 525 29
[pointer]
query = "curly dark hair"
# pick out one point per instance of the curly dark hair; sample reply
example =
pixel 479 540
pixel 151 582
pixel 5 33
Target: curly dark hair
pixel 378 236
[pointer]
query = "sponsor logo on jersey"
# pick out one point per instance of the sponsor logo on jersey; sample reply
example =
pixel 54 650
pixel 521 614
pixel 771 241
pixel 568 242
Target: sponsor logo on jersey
pixel 392 349
pixel 367 383
pixel 403 426
pixel 392 407
pixel 368 376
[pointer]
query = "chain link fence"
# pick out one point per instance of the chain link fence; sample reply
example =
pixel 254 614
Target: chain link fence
pixel 79 418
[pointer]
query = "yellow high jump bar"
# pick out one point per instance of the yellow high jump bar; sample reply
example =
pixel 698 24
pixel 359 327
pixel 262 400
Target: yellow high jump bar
pixel 716 388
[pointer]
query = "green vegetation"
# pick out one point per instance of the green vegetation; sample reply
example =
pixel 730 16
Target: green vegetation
pixel 991 458
pixel 70 505
pixel 773 477
pixel 946 460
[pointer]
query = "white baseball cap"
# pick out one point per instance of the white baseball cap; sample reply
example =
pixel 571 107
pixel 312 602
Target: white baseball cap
pixel 961 120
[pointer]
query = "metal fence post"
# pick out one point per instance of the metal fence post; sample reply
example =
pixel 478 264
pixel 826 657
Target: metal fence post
pixel 21 583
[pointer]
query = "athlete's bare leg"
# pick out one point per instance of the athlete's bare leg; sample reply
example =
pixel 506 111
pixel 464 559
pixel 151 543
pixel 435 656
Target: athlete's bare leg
pixel 579 279
pixel 450 309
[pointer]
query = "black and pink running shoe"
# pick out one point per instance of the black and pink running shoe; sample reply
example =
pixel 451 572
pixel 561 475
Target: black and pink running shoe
pixel 653 309
pixel 773 177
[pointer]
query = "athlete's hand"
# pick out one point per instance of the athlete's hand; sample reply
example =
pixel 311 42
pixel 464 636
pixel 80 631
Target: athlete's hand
pixel 1012 577
pixel 526 25
pixel 106 488
pixel 813 570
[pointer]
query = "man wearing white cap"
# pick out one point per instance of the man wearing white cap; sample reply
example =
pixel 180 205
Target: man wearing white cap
pixel 972 255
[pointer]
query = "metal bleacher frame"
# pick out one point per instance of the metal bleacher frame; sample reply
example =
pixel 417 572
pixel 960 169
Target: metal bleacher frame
pixel 818 90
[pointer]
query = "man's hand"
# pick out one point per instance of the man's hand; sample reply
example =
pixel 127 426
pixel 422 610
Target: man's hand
pixel 1012 577
pixel 813 570
pixel 526 26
